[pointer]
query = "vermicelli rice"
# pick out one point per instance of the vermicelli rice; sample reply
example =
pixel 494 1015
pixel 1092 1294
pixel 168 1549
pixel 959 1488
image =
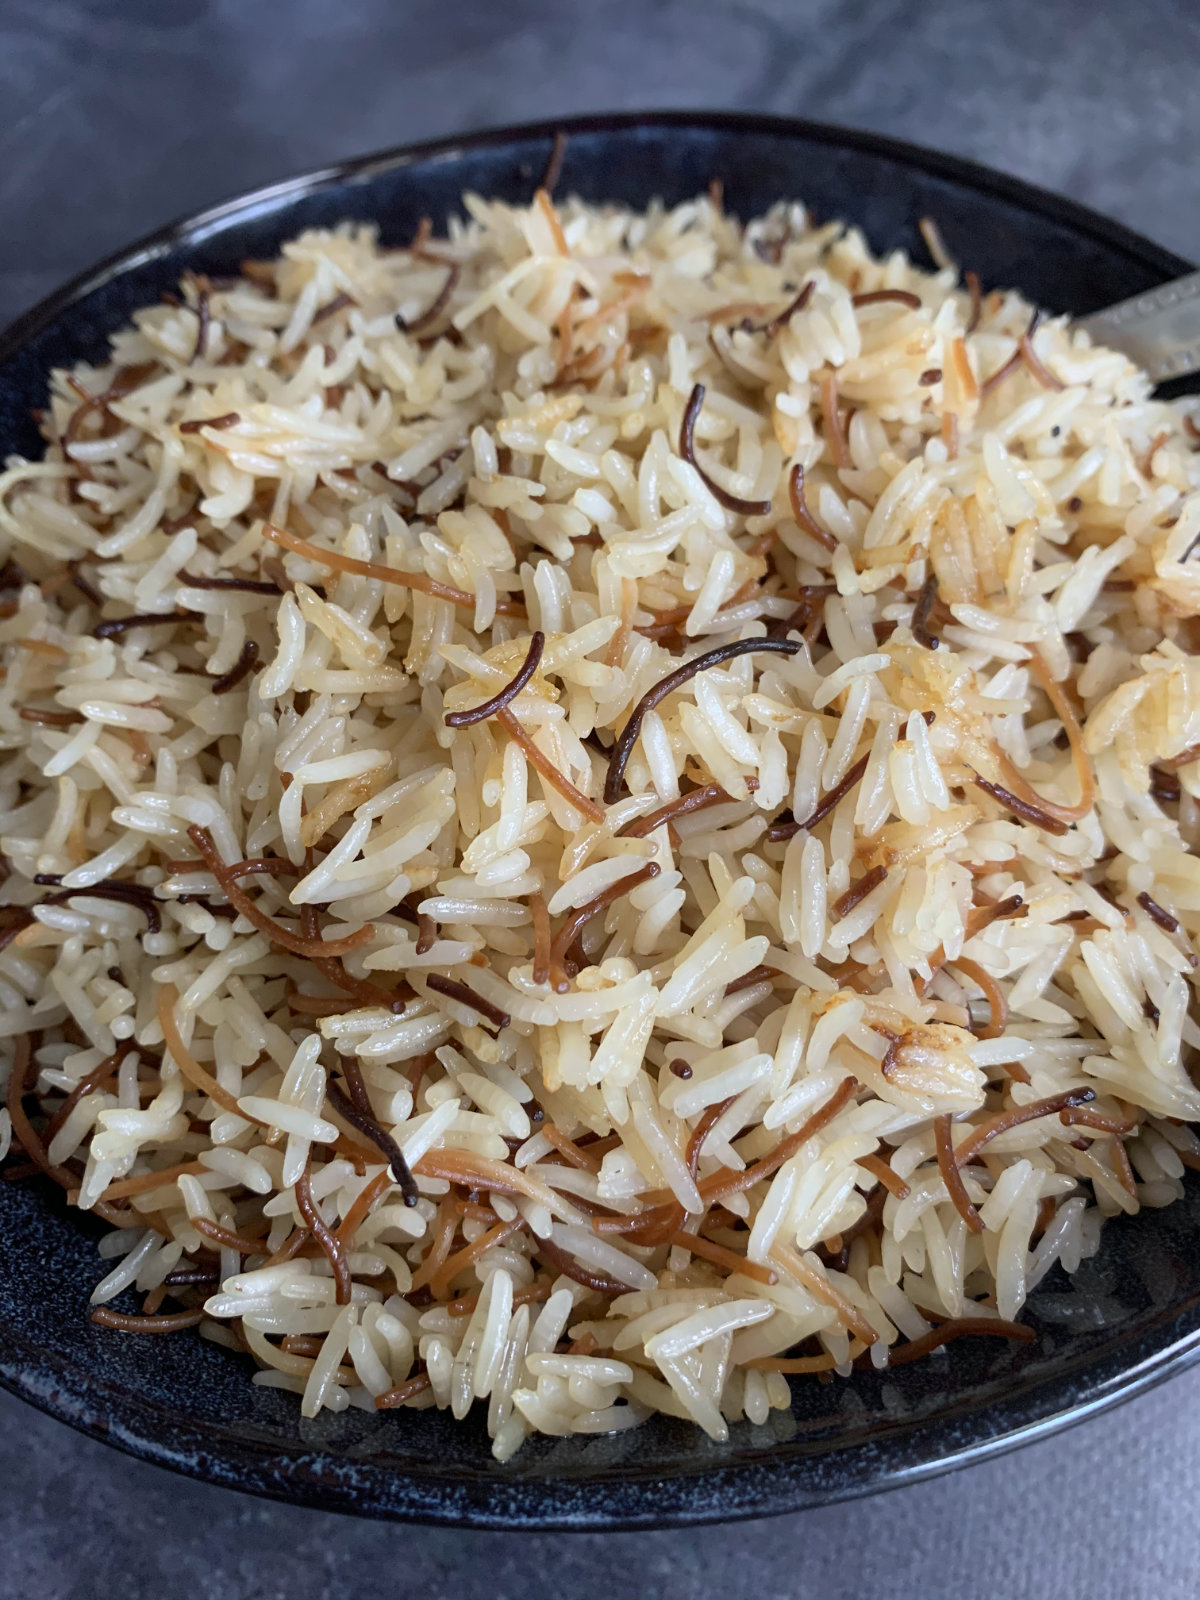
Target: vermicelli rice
pixel 806 1012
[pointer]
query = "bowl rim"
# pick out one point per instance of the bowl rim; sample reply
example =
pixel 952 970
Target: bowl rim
pixel 904 1455
pixel 193 226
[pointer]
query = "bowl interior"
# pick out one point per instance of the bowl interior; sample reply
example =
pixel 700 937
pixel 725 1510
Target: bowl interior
pixel 1129 1316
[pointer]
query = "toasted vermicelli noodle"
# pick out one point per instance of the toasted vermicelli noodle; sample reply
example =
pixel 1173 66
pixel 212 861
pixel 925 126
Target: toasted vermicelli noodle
pixel 599 811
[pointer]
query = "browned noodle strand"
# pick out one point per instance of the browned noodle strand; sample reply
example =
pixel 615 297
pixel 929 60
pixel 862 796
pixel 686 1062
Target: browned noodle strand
pixel 366 1123
pixel 818 1284
pixel 980 917
pixel 403 1392
pixel 835 438
pixel 436 306
pixel 330 1244
pixel 1027 355
pixel 546 206
pixel 541 938
pixel 119 890
pixel 800 512
pixel 146 1182
pixel 445 1226
pixel 227 1238
pixel 799 1364
pixel 951 1176
pixel 710 794
pixel 1121 1166
pixel 700 1133
pixel 290 1248
pixel 1085 1117
pixel 997 1004
pixel 623 748
pixel 957 1328
pixel 983 916
pixel 578 919
pixel 890 1180
pixel 1079 758
pixel 571 1268
pixel 362 989
pixel 858 892
pixel 21 1126
pixel 919 626
pixel 455 989
pixel 1001 372
pixel 480 1172
pixel 721 1184
pixel 203 317
pixel 461 1259
pixel 117 626
pixel 1156 913
pixel 83 583
pixel 22 919
pixel 273 866
pixel 901 297
pixel 749 980
pixel 687 449
pixel 1026 810
pixel 490 708
pixel 558 153
pixel 785 830
pixel 228 419
pixel 313 1005
pixel 546 767
pixel 568 1149
pixel 657 1223
pixel 356 1085
pixel 465 1304
pixel 785 316
pixel 1004 1120
pixel 242 668
pixel 331 307
pixel 265 924
pixel 1033 361
pixel 50 719
pixel 191 1069
pixel 374 569
pixel 192 580
pixel 185 1277
pixel 708 1250
pixel 93 1080
pixel 126 1322
pixel 126 381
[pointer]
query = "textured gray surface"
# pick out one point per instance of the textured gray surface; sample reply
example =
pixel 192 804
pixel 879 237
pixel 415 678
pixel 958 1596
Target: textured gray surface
pixel 116 116
pixel 1105 1510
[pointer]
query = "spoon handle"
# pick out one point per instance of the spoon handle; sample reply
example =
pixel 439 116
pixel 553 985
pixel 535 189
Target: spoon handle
pixel 1160 329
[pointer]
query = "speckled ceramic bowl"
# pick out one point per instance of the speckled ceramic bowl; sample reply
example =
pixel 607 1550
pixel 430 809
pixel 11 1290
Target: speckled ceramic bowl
pixel 1132 1315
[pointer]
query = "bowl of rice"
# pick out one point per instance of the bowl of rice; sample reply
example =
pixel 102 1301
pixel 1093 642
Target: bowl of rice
pixel 600 782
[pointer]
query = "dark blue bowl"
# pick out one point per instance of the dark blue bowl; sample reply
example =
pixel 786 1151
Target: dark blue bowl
pixel 1130 1318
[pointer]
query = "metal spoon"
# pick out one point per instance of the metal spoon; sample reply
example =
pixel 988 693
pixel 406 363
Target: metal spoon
pixel 1160 329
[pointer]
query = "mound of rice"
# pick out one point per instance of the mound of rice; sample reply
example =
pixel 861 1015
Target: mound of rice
pixel 440 1007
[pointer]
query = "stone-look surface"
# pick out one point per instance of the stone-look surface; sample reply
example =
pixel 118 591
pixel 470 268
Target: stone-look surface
pixel 1105 1510
pixel 119 114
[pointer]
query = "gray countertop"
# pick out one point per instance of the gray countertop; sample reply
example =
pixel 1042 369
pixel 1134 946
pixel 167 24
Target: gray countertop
pixel 1106 1510
pixel 119 114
